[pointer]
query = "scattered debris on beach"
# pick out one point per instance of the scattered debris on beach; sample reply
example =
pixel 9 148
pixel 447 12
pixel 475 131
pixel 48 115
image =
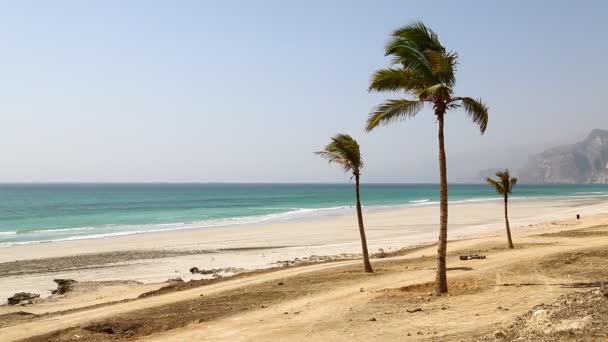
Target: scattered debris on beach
pixel 315 259
pixel 576 316
pixel 214 271
pixel 470 256
pixel 114 328
pixel 178 286
pixel 87 260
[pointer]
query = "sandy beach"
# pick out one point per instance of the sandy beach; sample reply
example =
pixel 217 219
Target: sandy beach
pixel 556 255
pixel 156 257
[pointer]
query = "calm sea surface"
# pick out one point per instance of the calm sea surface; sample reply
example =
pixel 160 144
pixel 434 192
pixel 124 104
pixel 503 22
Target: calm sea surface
pixel 46 212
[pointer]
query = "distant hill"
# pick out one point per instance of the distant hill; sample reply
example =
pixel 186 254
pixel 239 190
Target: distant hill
pixel 580 163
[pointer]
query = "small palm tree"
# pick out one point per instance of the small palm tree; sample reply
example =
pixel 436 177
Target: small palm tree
pixel 425 70
pixel 344 150
pixel 504 186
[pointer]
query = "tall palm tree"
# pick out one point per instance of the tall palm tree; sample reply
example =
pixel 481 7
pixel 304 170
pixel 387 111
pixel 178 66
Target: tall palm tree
pixel 423 69
pixel 344 150
pixel 504 186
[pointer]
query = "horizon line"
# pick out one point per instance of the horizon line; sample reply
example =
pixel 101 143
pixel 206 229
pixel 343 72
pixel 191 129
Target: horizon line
pixel 256 183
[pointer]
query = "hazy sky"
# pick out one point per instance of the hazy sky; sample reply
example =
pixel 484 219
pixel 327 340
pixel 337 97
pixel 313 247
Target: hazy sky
pixel 246 91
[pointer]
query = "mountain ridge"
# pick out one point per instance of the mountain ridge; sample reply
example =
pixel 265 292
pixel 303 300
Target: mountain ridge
pixel 584 162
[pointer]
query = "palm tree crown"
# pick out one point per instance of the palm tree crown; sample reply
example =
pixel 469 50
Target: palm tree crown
pixel 504 183
pixel 425 70
pixel 343 150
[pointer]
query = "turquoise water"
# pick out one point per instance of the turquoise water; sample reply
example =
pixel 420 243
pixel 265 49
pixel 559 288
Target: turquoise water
pixel 46 212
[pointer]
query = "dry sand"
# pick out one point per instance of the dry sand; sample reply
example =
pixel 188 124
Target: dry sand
pixel 332 301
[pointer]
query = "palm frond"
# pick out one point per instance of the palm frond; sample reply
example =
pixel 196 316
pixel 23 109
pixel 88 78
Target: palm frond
pixel 476 110
pixel 512 184
pixel 331 157
pixel 391 111
pixel 496 185
pixel 417 48
pixel 392 79
pixel 343 150
pixel 421 35
pixel 443 66
pixel 504 183
pixel 409 56
pixel 434 91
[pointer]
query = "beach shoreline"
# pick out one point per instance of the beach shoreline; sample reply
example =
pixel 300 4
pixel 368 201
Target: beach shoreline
pixel 155 257
pixel 318 301
pixel 314 215
pixel 54 213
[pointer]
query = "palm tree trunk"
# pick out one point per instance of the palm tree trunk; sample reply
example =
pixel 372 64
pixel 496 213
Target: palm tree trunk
pixel 441 281
pixel 507 222
pixel 366 264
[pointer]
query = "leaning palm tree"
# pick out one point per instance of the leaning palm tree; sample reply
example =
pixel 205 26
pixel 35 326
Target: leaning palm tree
pixel 344 150
pixel 426 71
pixel 504 186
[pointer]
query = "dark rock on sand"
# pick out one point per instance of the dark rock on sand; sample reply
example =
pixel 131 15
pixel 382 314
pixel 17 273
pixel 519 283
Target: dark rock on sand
pixel 196 270
pixel 64 286
pixel 21 296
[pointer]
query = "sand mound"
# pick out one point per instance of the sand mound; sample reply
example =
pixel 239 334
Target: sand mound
pixel 577 316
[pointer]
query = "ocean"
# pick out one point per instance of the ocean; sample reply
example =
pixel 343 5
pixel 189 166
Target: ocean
pixel 32 213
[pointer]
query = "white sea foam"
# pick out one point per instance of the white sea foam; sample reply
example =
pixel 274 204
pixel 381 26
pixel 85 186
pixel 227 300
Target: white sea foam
pixel 421 200
pixel 97 236
pixel 113 230
pixel 478 199
pixel 429 203
pixel 62 230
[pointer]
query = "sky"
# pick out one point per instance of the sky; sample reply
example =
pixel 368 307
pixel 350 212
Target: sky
pixel 246 91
